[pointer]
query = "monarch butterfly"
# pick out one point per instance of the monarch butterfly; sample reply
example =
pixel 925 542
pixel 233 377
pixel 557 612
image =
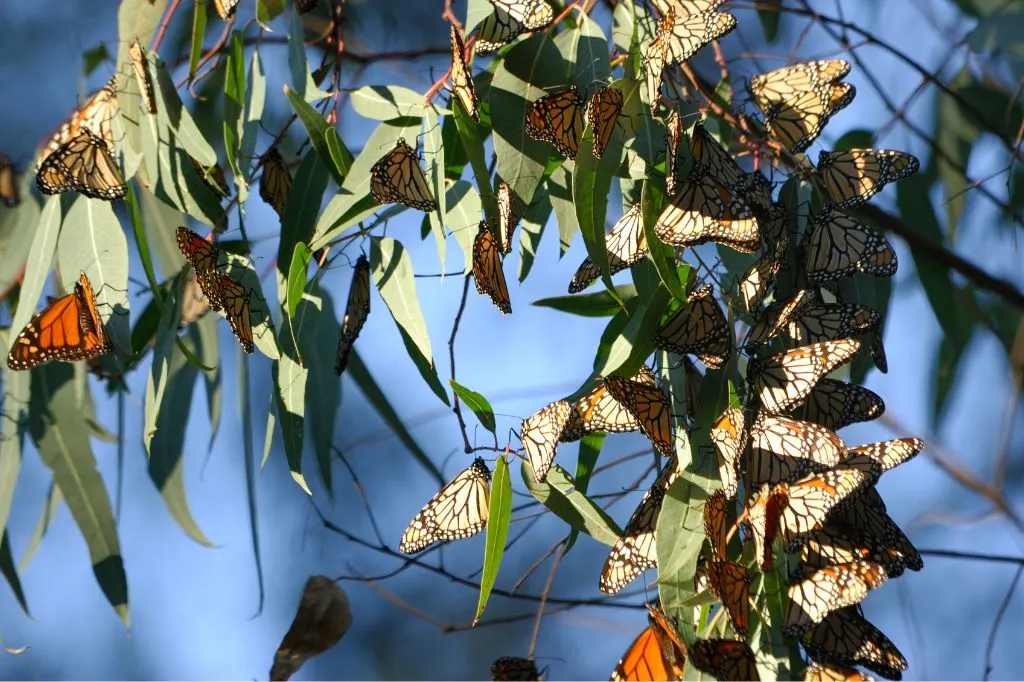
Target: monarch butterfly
pixel 68 329
pixel 699 327
pixel 839 246
pixel 656 653
pixel 506 220
pixel 558 119
pixel 827 672
pixel 510 19
pixel 797 101
pixel 730 583
pixel 234 297
pixel 626 246
pixel 835 404
pixel 276 183
pixel 728 437
pixel 95 115
pixel 487 272
pixel 757 278
pixel 674 139
pixel 784 449
pixel 716 523
pixel 889 453
pixel 599 411
pixel 865 516
pixel 194 303
pixel 635 551
pixel 764 512
pixel 356 311
pixel 711 159
pixel 826 321
pixel 778 315
pixel 458 510
pixel 602 112
pixel 540 433
pixel 725 659
pixel 786 82
pixel 202 256
pixel 702 212
pixel 686 7
pixel 784 381
pixel 514 668
pixel 655 57
pixel 84 165
pixel 853 176
pixel 212 177
pixel 138 59
pixel 846 637
pixel 398 178
pixel 648 405
pixel 462 80
pixel 225 8
pixel 8 183
pixel 801 507
pixel 829 589
pixel 830 546
pixel 691 32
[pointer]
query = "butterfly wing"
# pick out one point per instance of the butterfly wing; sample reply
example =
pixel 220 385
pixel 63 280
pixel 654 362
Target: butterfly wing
pixel 649 407
pixel 626 246
pixel 506 219
pixel 397 178
pixel 514 668
pixel 458 510
pixel 540 433
pixel 784 449
pixel 784 381
pixel 840 247
pixel 698 327
pixel 602 113
pixel 462 79
pixel 835 404
pixel 235 299
pixel 487 271
pixel 276 183
pixel 137 55
pixel 702 212
pixel 95 115
pixel 202 256
pixel 82 165
pixel 853 176
pixel 847 638
pixel 829 589
pixel 356 311
pixel 68 329
pixel 559 119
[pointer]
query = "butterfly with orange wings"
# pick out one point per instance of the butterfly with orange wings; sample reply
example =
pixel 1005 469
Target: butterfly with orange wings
pixel 68 329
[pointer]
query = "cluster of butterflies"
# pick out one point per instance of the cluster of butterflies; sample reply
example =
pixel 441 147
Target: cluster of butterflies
pixel 786 475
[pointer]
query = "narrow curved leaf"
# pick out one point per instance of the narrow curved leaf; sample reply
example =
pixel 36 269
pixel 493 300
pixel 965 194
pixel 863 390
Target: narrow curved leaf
pixel 476 402
pixel 498 519
pixel 558 493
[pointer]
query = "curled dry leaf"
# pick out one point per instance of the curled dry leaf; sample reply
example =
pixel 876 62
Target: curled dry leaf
pixel 321 621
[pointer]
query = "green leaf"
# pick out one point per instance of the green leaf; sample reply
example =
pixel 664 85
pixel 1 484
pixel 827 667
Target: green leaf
pixel 463 218
pixel 855 139
pixel 248 452
pixel 375 396
pixel 10 572
pixel 15 405
pixel 267 10
pixel 531 229
pixel 61 435
pixel 559 494
pixel 597 304
pixel 234 104
pixel 590 450
pixel 297 226
pixel 198 33
pixel 18 229
pixel 498 519
pixel 209 355
pixel 528 69
pixel 387 102
pixel 339 161
pixel 769 12
pixel 156 382
pixel 290 396
pixel 166 448
pixel 46 517
pixel 352 203
pixel 663 257
pixel 318 339
pixel 476 402
pixel 473 146
pixel 302 80
pixel 393 275
pixel 592 64
pixel 37 267
pixel 297 277
pixel 560 194
pixel 433 152
pixel 629 337
pixel 95 244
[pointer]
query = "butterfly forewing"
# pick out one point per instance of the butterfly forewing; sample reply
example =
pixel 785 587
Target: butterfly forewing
pixel 462 79
pixel 783 381
pixel 458 510
pixel 846 637
pixel 827 590
pixel 356 311
pixel 397 178
pixel 626 246
pixel 487 271
pixel 540 434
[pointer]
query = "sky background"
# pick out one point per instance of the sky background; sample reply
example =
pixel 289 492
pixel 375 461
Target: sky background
pixel 195 610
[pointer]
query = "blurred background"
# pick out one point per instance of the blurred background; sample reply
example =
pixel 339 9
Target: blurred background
pixel 196 611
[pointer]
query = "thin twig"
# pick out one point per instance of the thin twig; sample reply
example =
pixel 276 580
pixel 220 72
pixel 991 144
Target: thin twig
pixel 995 623
pixel 543 601
pixel 456 407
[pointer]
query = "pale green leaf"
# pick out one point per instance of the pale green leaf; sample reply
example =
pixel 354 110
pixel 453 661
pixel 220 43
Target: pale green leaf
pixel 498 519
